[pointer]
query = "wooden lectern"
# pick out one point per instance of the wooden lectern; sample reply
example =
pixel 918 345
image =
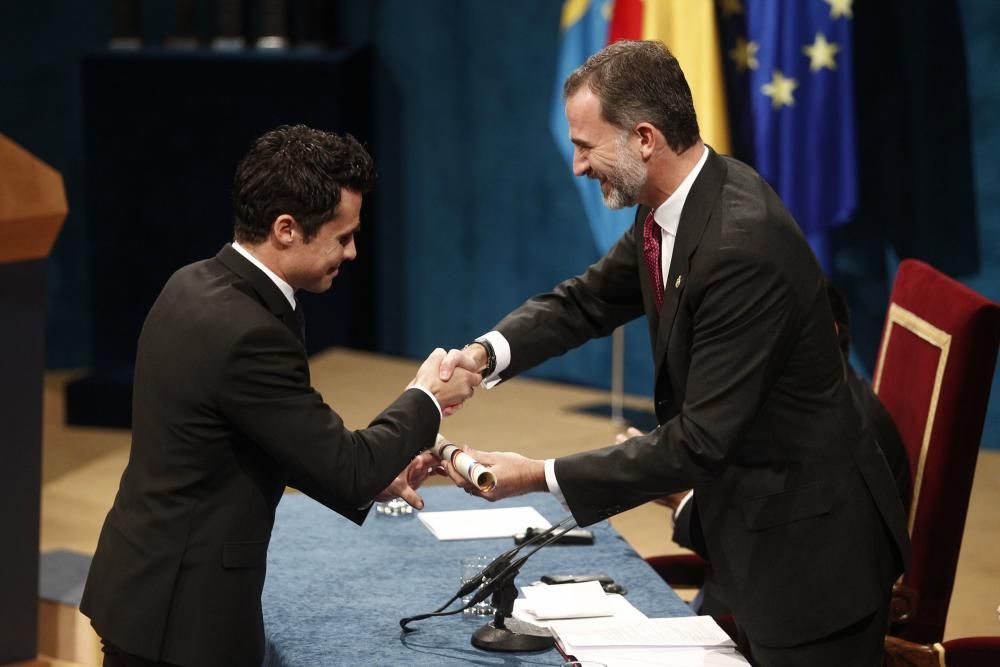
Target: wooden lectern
pixel 32 210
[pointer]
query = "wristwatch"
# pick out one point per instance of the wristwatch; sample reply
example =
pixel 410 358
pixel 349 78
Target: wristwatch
pixel 491 357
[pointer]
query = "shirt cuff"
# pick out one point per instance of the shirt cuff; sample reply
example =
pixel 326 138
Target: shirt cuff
pixel 684 501
pixel 428 392
pixel 552 482
pixel 501 349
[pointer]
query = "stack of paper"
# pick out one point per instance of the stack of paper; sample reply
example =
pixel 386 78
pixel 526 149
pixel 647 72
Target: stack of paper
pixel 576 602
pixel 692 640
pixel 481 524
pixel 583 600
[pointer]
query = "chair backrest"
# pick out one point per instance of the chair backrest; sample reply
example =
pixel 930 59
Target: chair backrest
pixel 933 374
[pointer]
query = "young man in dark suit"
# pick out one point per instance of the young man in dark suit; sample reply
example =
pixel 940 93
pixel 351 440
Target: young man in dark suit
pixel 224 417
pixel 794 504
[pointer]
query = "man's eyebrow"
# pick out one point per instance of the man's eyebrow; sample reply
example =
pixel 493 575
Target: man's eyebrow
pixel 581 143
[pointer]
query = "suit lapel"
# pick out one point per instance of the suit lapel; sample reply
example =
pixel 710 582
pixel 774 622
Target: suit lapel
pixel 269 293
pixel 694 218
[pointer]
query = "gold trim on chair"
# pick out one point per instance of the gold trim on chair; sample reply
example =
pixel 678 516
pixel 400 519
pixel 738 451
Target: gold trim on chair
pixel 903 653
pixel 939 339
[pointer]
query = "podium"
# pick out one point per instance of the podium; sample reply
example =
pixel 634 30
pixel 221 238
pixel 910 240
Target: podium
pixel 32 210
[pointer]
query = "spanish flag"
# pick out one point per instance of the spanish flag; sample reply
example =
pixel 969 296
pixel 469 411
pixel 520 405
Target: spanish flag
pixel 689 29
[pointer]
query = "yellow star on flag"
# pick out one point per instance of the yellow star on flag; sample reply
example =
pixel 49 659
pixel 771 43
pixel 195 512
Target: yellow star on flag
pixel 840 8
pixel 744 54
pixel 821 53
pixel 608 9
pixel 781 90
pixel 730 7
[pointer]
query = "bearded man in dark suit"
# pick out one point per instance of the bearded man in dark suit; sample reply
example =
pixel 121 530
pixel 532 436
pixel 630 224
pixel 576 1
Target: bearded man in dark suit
pixel 709 601
pixel 794 504
pixel 224 417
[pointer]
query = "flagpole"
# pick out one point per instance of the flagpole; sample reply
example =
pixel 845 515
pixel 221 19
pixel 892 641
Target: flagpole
pixel 618 376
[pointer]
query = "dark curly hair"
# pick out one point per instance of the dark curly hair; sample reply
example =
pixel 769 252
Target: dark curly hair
pixel 639 82
pixel 299 171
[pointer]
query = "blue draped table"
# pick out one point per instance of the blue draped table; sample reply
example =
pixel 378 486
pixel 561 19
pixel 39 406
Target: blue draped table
pixel 335 592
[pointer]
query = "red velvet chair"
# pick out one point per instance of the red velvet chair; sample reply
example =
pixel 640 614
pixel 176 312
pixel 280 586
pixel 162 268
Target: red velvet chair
pixel 965 652
pixel 933 374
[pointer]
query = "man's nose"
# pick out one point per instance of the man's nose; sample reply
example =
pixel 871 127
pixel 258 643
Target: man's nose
pixel 580 164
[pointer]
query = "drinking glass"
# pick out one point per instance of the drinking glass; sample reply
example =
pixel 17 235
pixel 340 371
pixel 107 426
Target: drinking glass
pixel 470 567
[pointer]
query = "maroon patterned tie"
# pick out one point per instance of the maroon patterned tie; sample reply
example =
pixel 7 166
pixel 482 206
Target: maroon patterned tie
pixel 651 250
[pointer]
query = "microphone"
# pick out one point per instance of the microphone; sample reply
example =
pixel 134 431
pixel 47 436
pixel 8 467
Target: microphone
pixel 501 563
pixel 498 567
pixel 495 635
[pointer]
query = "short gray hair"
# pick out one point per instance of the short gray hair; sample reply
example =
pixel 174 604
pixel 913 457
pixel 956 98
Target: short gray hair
pixel 636 82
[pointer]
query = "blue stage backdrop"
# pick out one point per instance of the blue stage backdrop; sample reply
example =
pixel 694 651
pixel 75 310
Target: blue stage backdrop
pixel 476 209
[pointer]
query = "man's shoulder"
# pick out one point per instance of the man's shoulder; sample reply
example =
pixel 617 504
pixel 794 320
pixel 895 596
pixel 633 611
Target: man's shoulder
pixel 750 215
pixel 746 195
pixel 196 275
pixel 208 297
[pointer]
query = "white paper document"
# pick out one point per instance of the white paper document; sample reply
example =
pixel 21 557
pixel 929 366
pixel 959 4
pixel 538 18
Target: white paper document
pixel 672 657
pixel 482 524
pixel 621 610
pixel 685 631
pixel 695 641
pixel 583 600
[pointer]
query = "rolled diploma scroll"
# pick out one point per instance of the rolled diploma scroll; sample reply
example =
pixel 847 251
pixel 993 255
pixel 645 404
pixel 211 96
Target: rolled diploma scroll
pixel 467 467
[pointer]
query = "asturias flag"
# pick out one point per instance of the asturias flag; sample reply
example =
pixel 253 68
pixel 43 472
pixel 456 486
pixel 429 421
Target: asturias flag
pixel 584 30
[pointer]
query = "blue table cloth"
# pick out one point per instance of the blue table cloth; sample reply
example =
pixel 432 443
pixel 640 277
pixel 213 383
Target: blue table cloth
pixel 335 592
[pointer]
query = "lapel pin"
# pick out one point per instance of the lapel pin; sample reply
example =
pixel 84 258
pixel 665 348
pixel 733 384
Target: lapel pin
pixel 677 283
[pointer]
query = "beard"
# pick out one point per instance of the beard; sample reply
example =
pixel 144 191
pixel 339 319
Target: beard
pixel 626 178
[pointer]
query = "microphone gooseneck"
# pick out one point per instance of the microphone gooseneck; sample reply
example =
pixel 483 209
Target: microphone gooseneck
pixel 494 576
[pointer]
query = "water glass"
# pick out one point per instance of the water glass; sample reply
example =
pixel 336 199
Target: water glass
pixel 470 568
pixel 394 507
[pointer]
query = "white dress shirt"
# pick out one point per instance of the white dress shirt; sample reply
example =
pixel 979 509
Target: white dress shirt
pixel 285 288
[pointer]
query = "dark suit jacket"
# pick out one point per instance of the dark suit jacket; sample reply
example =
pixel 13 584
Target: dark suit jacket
pixel 889 441
pixel 890 444
pixel 223 418
pixel 796 504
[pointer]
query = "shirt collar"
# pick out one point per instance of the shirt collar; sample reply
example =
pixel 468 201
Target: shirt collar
pixel 285 288
pixel 668 214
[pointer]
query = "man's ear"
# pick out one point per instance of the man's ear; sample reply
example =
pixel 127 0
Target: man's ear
pixel 650 139
pixel 285 230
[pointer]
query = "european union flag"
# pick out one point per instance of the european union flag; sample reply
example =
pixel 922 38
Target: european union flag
pixel 790 89
pixel 584 31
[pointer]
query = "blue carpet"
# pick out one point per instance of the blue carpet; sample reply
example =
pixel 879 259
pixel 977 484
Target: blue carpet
pixel 335 592
pixel 61 576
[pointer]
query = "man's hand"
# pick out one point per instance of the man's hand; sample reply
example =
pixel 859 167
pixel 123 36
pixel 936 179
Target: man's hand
pixel 671 501
pixel 474 352
pixel 452 393
pixel 516 474
pixel 409 480
pixel 630 432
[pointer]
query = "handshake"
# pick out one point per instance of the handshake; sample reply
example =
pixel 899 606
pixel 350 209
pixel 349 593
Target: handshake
pixel 451 377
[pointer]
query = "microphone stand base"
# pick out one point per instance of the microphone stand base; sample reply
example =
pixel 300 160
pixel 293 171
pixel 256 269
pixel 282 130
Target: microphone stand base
pixel 491 638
